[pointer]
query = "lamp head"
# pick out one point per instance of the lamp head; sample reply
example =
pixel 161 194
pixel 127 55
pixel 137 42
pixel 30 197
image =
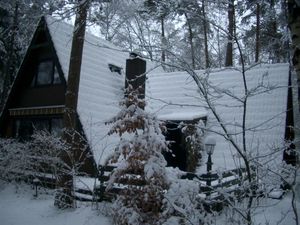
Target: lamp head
pixel 210 143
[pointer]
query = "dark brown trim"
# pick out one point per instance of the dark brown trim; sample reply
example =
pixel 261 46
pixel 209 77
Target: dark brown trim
pixel 37 111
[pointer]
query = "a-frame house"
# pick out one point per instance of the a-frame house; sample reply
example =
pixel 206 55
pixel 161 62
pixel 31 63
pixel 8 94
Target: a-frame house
pixel 36 100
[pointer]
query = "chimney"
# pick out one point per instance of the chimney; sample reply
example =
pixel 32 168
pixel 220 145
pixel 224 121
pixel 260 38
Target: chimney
pixel 135 74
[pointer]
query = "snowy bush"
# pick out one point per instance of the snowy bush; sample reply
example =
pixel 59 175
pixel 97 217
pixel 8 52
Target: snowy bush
pixel 24 160
pixel 183 202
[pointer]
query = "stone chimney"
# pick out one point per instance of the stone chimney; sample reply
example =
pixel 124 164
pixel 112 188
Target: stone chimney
pixel 135 74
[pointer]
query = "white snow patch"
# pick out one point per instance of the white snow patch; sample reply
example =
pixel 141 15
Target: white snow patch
pixel 182 116
pixel 276 194
pixel 21 208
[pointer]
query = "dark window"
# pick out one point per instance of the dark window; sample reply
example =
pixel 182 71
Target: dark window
pixel 41 125
pixel 24 128
pixel 114 68
pixel 46 74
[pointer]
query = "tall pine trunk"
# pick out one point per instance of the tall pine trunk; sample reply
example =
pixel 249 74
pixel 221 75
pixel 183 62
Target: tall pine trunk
pixel 231 25
pixel 275 52
pixel 207 63
pixel 257 33
pixel 191 40
pixel 163 39
pixel 294 25
pixel 64 197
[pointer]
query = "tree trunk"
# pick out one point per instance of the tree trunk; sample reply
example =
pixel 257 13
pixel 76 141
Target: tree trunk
pixel 275 52
pixel 207 64
pixel 294 25
pixel 231 25
pixel 191 40
pixel 257 33
pixel 220 56
pixel 64 197
pixel 163 40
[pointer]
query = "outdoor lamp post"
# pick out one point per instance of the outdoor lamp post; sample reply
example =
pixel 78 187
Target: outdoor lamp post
pixel 35 182
pixel 210 144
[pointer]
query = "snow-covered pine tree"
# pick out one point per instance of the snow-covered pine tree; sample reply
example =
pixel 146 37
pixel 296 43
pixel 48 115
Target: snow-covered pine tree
pixel 139 154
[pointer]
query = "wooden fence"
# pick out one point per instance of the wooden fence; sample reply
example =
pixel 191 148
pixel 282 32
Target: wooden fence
pixel 212 186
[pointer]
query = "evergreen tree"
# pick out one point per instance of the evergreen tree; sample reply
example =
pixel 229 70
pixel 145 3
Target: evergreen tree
pixel 139 153
pixel 159 10
pixel 266 32
pixel 9 48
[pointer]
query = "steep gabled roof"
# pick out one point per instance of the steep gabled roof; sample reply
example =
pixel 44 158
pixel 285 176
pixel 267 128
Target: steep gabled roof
pixel 266 107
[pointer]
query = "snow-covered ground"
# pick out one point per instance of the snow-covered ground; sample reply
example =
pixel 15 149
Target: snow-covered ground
pixel 19 207
pixel 265 212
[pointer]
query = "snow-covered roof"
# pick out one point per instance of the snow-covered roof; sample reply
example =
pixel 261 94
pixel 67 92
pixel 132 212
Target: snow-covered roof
pixel 176 93
pixel 175 96
pixel 100 89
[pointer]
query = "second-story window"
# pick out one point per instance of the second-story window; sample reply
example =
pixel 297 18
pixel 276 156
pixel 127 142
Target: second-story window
pixel 46 74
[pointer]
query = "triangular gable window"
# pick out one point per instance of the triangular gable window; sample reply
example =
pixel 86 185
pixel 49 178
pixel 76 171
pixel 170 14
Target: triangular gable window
pixel 46 74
